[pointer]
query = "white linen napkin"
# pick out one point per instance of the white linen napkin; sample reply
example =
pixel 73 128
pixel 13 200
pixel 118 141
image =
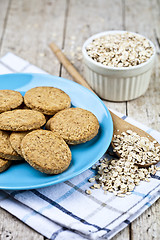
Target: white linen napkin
pixel 64 210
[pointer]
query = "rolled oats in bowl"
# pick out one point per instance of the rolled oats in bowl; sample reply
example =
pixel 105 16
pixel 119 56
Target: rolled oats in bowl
pixel 120 50
pixel 118 64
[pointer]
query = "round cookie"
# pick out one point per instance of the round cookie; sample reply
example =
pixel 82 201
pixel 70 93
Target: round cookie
pixel 6 150
pixel 4 164
pixel 46 151
pixel 21 120
pixel 75 125
pixel 48 100
pixel 16 139
pixel 9 99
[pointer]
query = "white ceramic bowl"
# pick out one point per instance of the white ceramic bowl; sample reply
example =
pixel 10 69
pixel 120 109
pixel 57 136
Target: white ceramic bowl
pixel 117 83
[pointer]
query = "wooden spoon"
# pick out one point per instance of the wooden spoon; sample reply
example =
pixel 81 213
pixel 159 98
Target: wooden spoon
pixel 119 125
pixel 122 126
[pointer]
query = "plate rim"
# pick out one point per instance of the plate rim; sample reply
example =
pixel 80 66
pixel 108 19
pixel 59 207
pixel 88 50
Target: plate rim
pixel 53 182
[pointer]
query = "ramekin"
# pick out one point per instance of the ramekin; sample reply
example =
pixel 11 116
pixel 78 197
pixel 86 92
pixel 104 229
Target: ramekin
pixel 117 83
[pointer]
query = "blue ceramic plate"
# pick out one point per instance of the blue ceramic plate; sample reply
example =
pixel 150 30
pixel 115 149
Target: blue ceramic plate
pixel 21 176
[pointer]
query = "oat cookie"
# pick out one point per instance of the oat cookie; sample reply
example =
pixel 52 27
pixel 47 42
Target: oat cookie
pixel 4 164
pixel 75 125
pixel 47 100
pixel 46 151
pixel 16 139
pixel 9 99
pixel 6 150
pixel 21 120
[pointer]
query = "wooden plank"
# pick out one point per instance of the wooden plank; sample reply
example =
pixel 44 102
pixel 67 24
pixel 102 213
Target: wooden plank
pixel 147 226
pixel 142 108
pixel 145 109
pixel 4 4
pixel 30 27
pixel 12 228
pixel 155 6
pixel 123 235
pixel 84 19
pixel 138 17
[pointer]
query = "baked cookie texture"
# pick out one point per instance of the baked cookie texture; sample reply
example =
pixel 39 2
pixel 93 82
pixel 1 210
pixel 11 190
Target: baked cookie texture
pixel 4 164
pixel 48 100
pixel 16 139
pixel 9 99
pixel 6 150
pixel 75 125
pixel 21 120
pixel 46 151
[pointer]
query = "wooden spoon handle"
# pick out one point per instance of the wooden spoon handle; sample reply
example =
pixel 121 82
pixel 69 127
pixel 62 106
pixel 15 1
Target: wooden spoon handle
pixel 68 66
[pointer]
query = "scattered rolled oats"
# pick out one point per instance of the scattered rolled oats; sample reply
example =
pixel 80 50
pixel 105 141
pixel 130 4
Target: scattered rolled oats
pixel 96 186
pixel 120 50
pixel 88 191
pixel 137 149
pixel 126 178
pixel 94 167
pixel 121 176
pixel 91 180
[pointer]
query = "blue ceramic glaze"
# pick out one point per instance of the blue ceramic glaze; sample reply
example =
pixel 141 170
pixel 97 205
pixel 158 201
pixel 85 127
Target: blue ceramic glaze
pixel 21 176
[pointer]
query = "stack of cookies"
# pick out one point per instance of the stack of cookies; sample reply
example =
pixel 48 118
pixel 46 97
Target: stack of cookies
pixel 39 127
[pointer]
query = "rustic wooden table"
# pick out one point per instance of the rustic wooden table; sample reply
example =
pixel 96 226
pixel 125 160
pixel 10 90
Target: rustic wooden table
pixel 26 29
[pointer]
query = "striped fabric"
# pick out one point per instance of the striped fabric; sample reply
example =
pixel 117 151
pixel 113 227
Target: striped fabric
pixel 65 211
